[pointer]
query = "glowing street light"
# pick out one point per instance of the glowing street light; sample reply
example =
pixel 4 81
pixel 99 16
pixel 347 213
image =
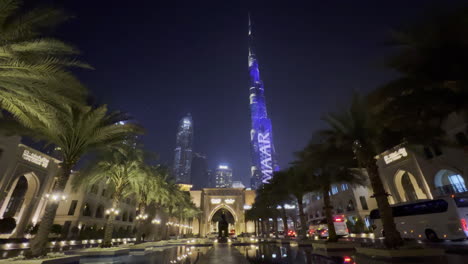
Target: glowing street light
pixel 55 197
pixel 141 217
pixel 112 211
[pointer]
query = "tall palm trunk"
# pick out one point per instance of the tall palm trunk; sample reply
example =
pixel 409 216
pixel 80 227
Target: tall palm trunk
pixel 284 216
pixel 329 216
pixel 107 241
pixel 268 228
pixel 275 223
pixel 255 227
pixel 40 241
pixel 140 224
pixel 392 236
pixel 302 217
pixel 262 232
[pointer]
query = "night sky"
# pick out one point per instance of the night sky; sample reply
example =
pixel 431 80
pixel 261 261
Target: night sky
pixel 159 60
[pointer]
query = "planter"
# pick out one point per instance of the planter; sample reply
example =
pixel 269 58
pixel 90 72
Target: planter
pixel 58 260
pixel 401 253
pixel 334 246
pixel 102 252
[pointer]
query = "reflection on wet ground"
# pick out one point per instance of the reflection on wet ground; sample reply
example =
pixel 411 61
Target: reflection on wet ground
pixel 273 253
pixel 163 255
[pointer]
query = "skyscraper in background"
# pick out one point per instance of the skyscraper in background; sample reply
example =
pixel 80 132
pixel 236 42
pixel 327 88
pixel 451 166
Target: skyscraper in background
pixel 264 161
pixel 183 150
pixel 199 172
pixel 223 176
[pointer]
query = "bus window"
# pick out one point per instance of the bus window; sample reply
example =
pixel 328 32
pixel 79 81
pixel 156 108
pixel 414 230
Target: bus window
pixel 429 207
pixel 461 201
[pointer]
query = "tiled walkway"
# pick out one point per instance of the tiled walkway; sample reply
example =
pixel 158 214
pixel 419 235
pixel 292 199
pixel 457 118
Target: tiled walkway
pixel 223 254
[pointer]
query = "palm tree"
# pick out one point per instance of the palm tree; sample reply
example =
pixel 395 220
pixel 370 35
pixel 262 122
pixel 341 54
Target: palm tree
pixel 149 193
pixel 358 130
pixel 297 184
pixel 281 197
pixel 122 168
pixel 34 69
pixel 432 60
pixel 327 165
pixel 75 132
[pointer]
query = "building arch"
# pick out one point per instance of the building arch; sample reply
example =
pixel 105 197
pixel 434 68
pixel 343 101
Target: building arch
pixel 407 187
pixel 21 193
pixel 223 206
pixel 448 181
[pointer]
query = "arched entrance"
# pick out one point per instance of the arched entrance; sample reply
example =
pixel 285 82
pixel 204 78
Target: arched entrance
pixel 448 182
pixel 215 217
pixel 20 196
pixel 218 216
pixel 408 187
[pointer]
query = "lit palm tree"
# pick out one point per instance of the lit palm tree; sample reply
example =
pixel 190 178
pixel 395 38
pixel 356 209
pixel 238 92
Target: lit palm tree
pixel 149 193
pixel 122 167
pixel 34 69
pixel 75 132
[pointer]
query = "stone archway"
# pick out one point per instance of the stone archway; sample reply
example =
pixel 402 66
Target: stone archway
pixel 407 187
pixel 215 216
pixel 21 194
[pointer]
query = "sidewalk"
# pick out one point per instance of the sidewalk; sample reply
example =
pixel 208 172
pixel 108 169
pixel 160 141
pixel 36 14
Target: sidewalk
pixel 225 254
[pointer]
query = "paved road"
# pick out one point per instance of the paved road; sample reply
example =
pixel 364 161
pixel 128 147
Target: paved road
pixel 224 254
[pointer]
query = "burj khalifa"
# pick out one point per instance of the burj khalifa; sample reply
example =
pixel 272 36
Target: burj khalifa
pixel 264 161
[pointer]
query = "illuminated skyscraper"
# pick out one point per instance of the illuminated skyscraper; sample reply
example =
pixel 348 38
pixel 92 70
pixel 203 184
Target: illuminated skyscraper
pixel 183 150
pixel 264 161
pixel 223 176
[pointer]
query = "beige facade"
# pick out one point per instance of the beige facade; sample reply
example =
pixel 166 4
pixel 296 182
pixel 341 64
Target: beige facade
pixel 415 173
pixel 85 208
pixel 231 200
pixel 26 175
pixel 351 201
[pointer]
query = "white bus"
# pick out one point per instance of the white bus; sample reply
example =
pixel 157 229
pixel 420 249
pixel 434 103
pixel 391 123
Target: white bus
pixel 443 218
pixel 320 228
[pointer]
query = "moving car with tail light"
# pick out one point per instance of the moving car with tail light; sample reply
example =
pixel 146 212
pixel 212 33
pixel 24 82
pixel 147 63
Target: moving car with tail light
pixel 320 227
pixel 444 218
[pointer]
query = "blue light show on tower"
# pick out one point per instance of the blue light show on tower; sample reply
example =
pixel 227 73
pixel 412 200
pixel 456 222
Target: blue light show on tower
pixel 264 161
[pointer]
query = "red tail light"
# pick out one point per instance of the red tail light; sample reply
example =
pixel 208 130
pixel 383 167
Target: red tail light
pixel 338 219
pixel 346 260
pixel 463 224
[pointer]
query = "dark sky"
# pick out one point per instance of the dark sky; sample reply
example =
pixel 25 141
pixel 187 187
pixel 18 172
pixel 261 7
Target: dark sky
pixel 159 60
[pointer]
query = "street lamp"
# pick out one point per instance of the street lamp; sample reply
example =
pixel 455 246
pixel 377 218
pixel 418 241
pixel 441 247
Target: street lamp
pixel 55 197
pixel 142 217
pixel 112 211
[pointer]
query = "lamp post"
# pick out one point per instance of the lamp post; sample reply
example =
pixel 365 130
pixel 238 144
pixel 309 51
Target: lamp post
pixel 55 197
pixel 142 217
pixel 112 211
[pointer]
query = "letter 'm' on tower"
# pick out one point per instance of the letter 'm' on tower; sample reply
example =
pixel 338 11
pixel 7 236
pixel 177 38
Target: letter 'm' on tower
pixel 264 161
pixel 183 150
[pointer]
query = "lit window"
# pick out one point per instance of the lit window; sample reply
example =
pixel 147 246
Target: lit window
pixel 344 186
pixel 457 183
pixel 334 189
